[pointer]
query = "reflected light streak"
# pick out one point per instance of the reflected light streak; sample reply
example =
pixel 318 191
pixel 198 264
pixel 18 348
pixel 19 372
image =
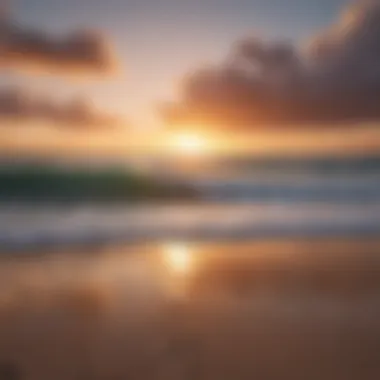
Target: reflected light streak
pixel 178 258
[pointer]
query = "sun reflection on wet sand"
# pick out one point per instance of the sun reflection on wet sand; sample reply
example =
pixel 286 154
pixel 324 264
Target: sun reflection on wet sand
pixel 178 257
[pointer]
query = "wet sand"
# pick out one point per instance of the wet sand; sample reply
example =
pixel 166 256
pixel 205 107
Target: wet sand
pixel 301 309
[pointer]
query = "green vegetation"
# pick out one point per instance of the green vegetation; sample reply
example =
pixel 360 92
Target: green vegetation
pixel 47 183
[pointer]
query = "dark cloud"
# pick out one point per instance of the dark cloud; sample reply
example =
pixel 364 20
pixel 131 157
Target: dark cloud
pixel 73 54
pixel 335 79
pixel 21 107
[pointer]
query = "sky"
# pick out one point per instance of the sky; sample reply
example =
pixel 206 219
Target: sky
pixel 158 41
pixel 156 44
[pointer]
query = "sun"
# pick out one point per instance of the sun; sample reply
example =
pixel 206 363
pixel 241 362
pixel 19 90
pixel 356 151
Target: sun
pixel 189 143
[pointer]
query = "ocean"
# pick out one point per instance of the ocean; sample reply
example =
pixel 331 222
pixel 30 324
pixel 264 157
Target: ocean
pixel 228 208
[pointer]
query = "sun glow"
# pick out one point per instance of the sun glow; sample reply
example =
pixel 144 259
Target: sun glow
pixel 189 144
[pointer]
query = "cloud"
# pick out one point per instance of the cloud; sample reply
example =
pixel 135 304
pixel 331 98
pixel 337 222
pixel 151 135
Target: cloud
pixel 19 106
pixel 76 53
pixel 335 79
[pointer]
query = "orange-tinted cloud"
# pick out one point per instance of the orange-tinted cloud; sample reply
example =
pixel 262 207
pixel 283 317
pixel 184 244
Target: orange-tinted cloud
pixel 19 106
pixel 80 52
pixel 336 79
